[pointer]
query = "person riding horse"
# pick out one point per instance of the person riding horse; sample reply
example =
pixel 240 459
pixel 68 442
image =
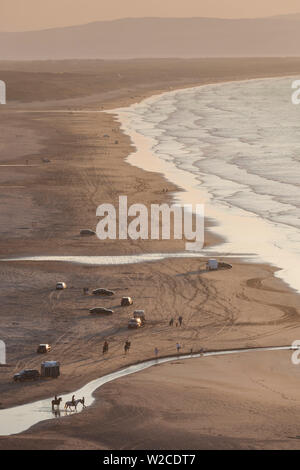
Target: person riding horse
pixel 56 401
pixel 73 404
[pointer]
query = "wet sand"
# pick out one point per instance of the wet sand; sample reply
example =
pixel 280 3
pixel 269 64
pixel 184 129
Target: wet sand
pixel 45 206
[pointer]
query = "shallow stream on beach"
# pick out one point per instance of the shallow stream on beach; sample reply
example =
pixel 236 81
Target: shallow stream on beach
pixel 20 418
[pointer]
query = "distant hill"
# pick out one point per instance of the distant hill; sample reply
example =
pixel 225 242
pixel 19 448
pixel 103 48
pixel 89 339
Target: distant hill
pixel 158 37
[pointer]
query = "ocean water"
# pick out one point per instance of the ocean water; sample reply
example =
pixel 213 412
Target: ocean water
pixel 236 148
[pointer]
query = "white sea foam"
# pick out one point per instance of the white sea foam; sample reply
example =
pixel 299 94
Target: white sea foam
pixel 235 147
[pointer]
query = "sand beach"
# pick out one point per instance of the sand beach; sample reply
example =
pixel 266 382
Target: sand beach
pixel 60 157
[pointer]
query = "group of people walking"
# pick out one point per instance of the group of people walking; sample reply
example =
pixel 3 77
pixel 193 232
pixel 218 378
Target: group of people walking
pixel 127 343
pixel 127 346
pixel 177 323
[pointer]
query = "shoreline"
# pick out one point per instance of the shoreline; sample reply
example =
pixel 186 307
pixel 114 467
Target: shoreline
pixel 190 190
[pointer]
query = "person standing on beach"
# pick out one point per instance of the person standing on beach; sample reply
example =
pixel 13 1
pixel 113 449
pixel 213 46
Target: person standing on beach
pixel 127 346
pixel 171 322
pixel 178 347
pixel 156 352
pixel 105 347
pixel 180 320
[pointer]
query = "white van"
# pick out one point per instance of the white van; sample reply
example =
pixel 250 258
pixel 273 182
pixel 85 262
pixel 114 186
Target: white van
pixel 61 285
pixel 140 314
pixel 212 265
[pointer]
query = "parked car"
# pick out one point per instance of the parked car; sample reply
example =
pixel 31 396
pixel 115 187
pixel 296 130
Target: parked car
pixel 61 285
pixel 140 314
pixel 101 291
pixel 106 311
pixel 43 348
pixel 27 374
pixel 135 323
pixel 125 301
pixel 223 265
pixel 86 232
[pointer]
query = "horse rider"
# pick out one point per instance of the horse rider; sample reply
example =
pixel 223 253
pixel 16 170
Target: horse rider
pixel 73 399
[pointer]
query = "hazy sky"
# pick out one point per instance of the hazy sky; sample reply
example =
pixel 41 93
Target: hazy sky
pixel 21 15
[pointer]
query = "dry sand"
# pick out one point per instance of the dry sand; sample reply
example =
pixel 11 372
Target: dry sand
pixel 202 404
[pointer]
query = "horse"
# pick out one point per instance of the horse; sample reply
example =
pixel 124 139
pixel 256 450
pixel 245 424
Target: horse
pixel 56 402
pixel 74 404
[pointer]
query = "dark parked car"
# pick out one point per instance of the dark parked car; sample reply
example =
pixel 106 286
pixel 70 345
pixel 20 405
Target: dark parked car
pixel 106 311
pixel 27 374
pixel 102 291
